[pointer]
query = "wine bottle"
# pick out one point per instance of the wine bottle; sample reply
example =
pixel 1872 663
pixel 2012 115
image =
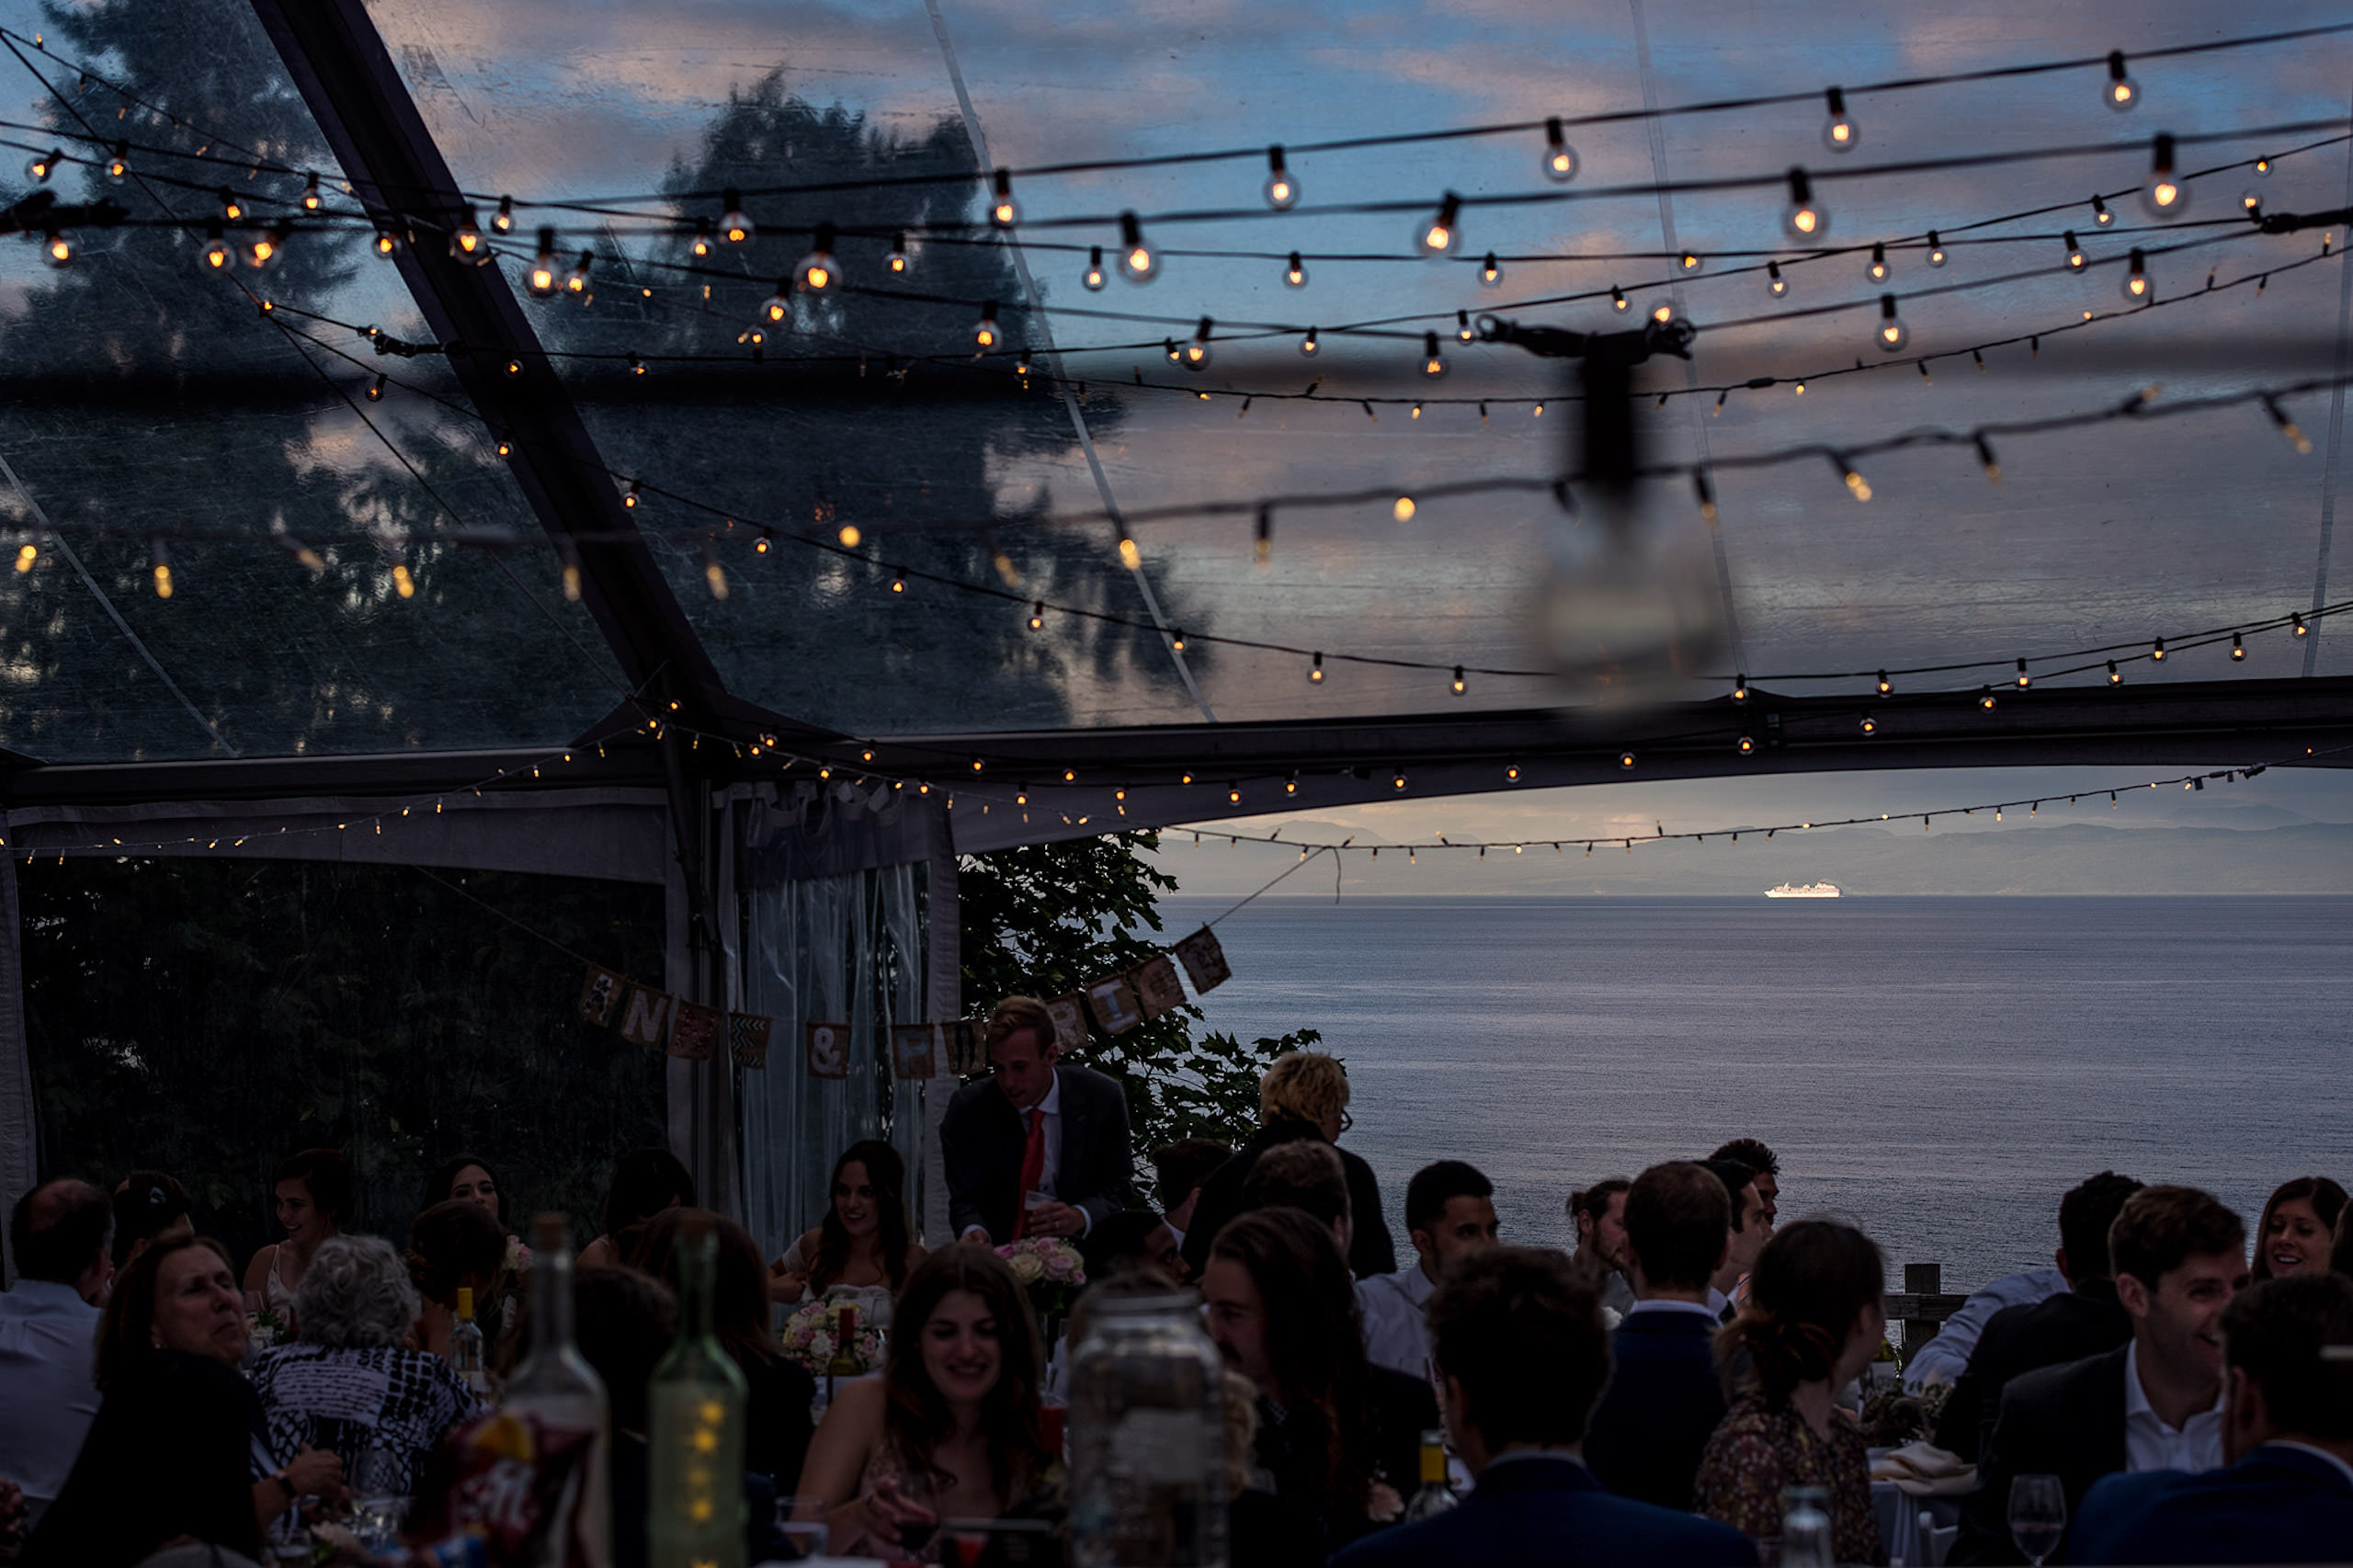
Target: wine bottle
pixel 1435 1495
pixel 465 1346
pixel 695 1511
pixel 845 1363
pixel 554 1385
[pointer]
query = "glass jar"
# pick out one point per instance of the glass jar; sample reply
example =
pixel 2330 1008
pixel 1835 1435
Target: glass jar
pixel 1147 1437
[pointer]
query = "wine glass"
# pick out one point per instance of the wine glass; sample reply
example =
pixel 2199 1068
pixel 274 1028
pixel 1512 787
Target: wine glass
pixel 915 1487
pixel 2038 1516
pixel 801 1522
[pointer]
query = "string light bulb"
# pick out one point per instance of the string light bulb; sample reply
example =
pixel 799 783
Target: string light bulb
pixel 541 280
pixel 312 201
pixel 1093 276
pixel 734 227
pixel 1440 234
pixel 1462 331
pixel 1460 685
pixel 376 390
pixel 1490 272
pixel 1282 191
pixel 2251 202
pixel 1936 250
pixel 1689 261
pixel 985 334
pixel 1295 272
pixel 2076 259
pixel 1003 211
pixel 1985 698
pixel 2025 679
pixel 1560 158
pixel 118 163
pixel 575 282
pixel 232 210
pixel 1740 688
pixel 1775 284
pixel 1856 486
pixel 701 245
pixel 2158 654
pixel 57 248
pixel 1802 219
pixel 1870 725
pixel 41 167
pixel 1316 671
pixel 1197 352
pixel 2122 92
pixel 1137 263
pixel 1876 271
pixel 159 567
pixel 1402 509
pixel 1839 132
pixel 1037 616
pixel 818 271
pixel 2114 676
pixel 26 555
pixel 2136 281
pixel 387 241
pixel 2238 648
pixel 215 255
pixel 2167 195
pixel 1307 343
pixel 894 261
pixel 465 241
pixel 2296 624
pixel 266 246
pixel 1625 759
pixel 2288 428
pixel 1884 684
pixel 1747 746
pixel 1893 333
pixel 1433 362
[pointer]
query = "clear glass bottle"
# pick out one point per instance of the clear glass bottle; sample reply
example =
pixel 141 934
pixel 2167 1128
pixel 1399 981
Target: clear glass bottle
pixel 1805 1529
pixel 465 1346
pixel 695 1509
pixel 554 1385
pixel 1437 1494
pixel 845 1362
pixel 1147 1437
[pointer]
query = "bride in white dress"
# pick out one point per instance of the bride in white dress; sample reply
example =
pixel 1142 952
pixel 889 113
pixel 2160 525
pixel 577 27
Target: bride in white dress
pixel 862 1252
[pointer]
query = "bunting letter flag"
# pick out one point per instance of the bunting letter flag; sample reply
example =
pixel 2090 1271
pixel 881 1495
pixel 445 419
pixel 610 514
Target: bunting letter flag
pixel 1069 1013
pixel 1204 962
pixel 696 1031
pixel 601 995
pixel 911 1050
pixel 747 1033
pixel 1114 1001
pixel 645 1021
pixel 1156 985
pixel 828 1050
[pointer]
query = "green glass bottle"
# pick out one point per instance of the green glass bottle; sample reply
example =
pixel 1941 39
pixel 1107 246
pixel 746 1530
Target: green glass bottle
pixel 695 1514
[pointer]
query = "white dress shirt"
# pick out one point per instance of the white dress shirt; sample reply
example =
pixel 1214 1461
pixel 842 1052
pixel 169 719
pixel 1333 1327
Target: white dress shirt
pixel 1945 1357
pixel 1051 1107
pixel 1396 1333
pixel 2150 1444
pixel 48 1397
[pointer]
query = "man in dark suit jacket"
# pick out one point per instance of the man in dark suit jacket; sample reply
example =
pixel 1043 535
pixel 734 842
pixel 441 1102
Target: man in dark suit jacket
pixel 1666 1398
pixel 2082 1320
pixel 2288 1425
pixel 1037 1125
pixel 1517 1339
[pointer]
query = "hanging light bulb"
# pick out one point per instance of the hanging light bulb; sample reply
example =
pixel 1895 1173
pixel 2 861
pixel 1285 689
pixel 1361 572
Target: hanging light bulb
pixel 2167 195
pixel 1740 688
pixel 1093 278
pixel 1801 219
pixel 734 227
pixel 1490 275
pixel 541 279
pixel 818 271
pixel 1168 347
pixel 701 246
pixel 634 496
pixel 387 241
pixel 1197 353
pixel 1688 261
pixel 232 210
pixel 161 566
pixel 779 307
pixel 1871 725
pixel 503 219
pixel 2122 92
pixel 1438 236
pixel 2114 676
pixel 575 282
pixel 1316 671
pixel 1876 271
pixel 376 390
pixel 1560 158
pixel 1433 363
pixel 895 260
pixel 1662 312
pixel 266 246
pixel 1295 272
pixel 26 555
pixel 1460 687
pixel 985 334
pixel 1462 329
pixel 1616 297
pixel 465 241
pixel 1037 616
pixel 57 248
pixel 1891 335
pixel 1775 284
pixel 1839 132
pixel 1985 698
pixel 1885 688
pixel 216 255
pixel 42 165
pixel 1307 343
pixel 1137 263
pixel 2251 202
pixel 1936 250
pixel 1282 191
pixel 2238 648
pixel 1003 211
pixel 2136 281
pixel 2296 624
pixel 2158 654
pixel 118 162
pixel 2025 679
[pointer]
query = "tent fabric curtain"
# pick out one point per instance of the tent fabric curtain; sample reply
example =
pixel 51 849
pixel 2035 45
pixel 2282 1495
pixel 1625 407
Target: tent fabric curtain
pixel 18 1157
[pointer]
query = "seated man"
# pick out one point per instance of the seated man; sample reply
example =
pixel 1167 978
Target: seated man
pixel 1520 1350
pixel 49 1334
pixel 2287 1429
pixel 1449 1209
pixel 1180 1168
pixel 1308 1176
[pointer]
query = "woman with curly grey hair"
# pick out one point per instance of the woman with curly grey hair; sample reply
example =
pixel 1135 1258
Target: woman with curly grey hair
pixel 348 1384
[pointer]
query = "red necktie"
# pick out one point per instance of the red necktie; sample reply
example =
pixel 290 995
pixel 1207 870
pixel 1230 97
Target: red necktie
pixel 1033 1170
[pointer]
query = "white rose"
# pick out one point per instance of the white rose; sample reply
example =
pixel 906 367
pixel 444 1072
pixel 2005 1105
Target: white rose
pixel 821 1346
pixel 1027 1268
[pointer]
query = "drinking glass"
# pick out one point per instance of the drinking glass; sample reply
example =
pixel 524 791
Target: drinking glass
pixel 379 1481
pixel 915 1487
pixel 801 1522
pixel 2038 1516
pixel 289 1545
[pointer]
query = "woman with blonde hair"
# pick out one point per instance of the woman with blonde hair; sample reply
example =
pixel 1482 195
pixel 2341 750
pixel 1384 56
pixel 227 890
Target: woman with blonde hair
pixel 1303 1095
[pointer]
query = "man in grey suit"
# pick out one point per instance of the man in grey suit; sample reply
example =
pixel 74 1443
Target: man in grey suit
pixel 1037 1126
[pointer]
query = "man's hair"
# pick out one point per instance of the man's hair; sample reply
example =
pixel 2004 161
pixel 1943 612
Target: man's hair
pixel 327 1175
pixel 1014 1013
pixel 2160 1227
pixel 2084 1216
pixel 1117 1240
pixel 1306 1085
pixel 1305 1173
pixel 1677 1216
pixel 1183 1166
pixel 1433 1187
pixel 1593 1202
pixel 59 1229
pixel 1522 1334
pixel 2273 1331
pixel 1735 1175
pixel 146 1205
pixel 1752 1153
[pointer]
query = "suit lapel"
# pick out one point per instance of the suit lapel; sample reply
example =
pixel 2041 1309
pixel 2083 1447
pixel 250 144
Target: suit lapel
pixel 1075 1133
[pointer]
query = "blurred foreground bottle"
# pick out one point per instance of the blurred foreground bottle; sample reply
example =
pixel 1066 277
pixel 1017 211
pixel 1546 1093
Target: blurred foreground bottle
pixel 695 1509
pixel 1147 1437
pixel 1435 1495
pixel 554 1385
pixel 465 1346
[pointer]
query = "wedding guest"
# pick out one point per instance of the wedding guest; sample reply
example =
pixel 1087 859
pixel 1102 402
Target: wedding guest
pixel 2341 1251
pixel 778 1390
pixel 356 1309
pixel 2287 1432
pixel 171 1455
pixel 1519 1341
pixel 864 1247
pixel 2155 1403
pixel 315 1197
pixel 458 1245
pixel 149 1207
pixel 957 1406
pixel 1599 1212
pixel 1754 1153
pixel 1814 1321
pixel 1750 1230
pixel 1307 1176
pixel 1665 1400
pixel 1450 1210
pixel 1304 1094
pixel 1130 1239
pixel 645 1182
pixel 2294 1235
pixel 1946 1355
pixel 2082 1320
pixel 1039 1149
pixel 1180 1168
pixel 1262 1530
pixel 1332 1425
pixel 48 1392
pixel 469 1178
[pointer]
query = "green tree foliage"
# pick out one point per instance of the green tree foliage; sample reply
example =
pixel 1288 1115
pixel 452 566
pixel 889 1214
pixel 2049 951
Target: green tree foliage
pixel 1046 919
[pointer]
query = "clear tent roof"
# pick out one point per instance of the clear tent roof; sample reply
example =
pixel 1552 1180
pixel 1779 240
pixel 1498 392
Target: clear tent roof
pixel 145 390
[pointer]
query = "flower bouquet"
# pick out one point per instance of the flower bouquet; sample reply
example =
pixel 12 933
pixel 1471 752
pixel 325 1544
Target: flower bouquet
pixel 811 1335
pixel 1051 1272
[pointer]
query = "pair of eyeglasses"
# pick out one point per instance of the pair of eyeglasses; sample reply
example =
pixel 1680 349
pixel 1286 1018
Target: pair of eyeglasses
pixel 1346 1120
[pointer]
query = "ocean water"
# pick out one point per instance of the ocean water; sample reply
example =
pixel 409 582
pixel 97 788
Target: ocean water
pixel 1937 1069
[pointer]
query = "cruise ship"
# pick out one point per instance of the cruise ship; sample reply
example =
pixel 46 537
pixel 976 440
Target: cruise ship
pixel 1812 890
